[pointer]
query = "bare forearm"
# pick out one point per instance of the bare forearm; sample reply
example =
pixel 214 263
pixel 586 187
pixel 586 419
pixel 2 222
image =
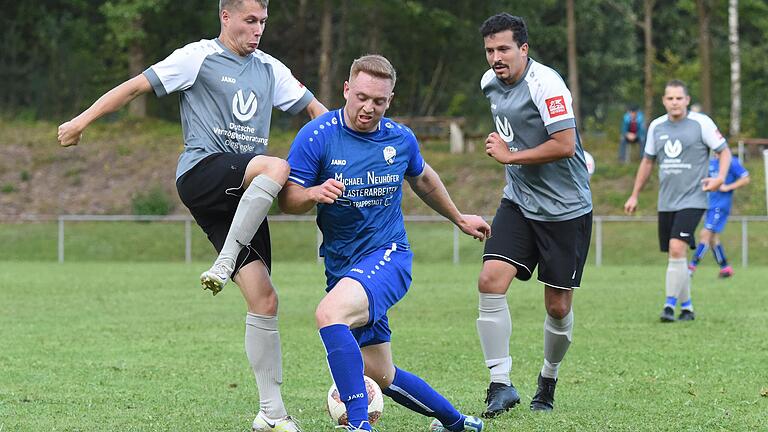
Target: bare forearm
pixel 315 109
pixel 294 200
pixel 432 191
pixel 114 100
pixel 549 151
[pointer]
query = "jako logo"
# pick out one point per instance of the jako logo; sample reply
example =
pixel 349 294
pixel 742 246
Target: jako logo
pixel 505 129
pixel 339 162
pixel 227 79
pixel 242 108
pixel 673 150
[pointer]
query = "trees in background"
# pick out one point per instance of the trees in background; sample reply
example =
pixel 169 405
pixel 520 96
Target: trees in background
pixel 57 59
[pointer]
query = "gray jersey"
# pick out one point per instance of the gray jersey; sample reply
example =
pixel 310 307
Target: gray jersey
pixel 682 150
pixel 226 100
pixel 526 113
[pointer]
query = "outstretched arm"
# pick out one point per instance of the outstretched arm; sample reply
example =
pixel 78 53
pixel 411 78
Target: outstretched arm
pixel 560 145
pixel 70 132
pixel 431 190
pixel 743 181
pixel 296 199
pixel 643 172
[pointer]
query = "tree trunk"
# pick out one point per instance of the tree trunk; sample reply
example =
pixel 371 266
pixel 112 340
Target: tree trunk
pixel 573 67
pixel 705 60
pixel 326 42
pixel 136 63
pixel 650 55
pixel 733 42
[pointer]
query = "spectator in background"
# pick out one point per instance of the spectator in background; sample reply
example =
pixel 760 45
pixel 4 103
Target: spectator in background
pixel 632 132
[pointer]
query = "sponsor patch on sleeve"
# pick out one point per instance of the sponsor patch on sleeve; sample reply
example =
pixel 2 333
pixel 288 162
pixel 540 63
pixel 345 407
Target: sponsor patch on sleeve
pixel 556 106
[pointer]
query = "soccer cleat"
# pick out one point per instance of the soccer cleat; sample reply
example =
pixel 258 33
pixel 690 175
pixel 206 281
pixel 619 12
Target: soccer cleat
pixel 544 399
pixel 667 314
pixel 216 277
pixel 686 315
pixel 726 272
pixel 500 398
pixel 359 428
pixel 262 423
pixel 471 424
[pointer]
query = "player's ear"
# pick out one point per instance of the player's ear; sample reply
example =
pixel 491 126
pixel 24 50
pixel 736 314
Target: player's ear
pixel 389 101
pixel 346 90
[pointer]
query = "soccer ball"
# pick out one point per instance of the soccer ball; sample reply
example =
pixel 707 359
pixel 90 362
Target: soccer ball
pixel 590 163
pixel 338 411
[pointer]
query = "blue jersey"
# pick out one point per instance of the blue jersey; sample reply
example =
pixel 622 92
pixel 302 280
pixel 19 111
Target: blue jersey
pixel 735 171
pixel 372 167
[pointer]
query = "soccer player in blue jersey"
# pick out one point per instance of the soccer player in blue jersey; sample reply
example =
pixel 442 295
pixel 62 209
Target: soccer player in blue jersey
pixel 228 89
pixel 720 202
pixel 351 164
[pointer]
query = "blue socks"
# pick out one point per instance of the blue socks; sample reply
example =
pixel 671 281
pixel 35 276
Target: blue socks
pixel 671 302
pixel 701 249
pixel 415 394
pixel 719 253
pixel 346 364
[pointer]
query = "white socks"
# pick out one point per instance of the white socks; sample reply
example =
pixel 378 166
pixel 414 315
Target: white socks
pixel 262 345
pixel 251 211
pixel 678 281
pixel 557 338
pixel 494 326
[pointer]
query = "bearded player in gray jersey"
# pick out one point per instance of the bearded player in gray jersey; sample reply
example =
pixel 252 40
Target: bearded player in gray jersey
pixel 680 141
pixel 545 215
pixel 228 89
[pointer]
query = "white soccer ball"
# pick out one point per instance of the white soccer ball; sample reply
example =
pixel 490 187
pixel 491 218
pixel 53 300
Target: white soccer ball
pixel 590 163
pixel 338 411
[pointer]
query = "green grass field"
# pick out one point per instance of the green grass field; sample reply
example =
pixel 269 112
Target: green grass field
pixel 138 347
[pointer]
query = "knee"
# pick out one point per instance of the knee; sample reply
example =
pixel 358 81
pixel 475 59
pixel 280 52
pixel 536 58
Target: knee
pixel 325 316
pixel 558 310
pixel 264 304
pixel 275 168
pixel 383 378
pixel 491 283
pixel 279 170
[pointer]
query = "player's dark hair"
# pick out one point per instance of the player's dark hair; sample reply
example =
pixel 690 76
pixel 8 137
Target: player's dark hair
pixel 678 83
pixel 504 21
pixel 373 64
pixel 235 4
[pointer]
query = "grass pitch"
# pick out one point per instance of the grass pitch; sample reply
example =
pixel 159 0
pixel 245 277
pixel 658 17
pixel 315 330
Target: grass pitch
pixel 138 347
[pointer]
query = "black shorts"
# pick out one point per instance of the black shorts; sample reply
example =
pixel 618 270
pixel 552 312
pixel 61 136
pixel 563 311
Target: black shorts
pixel 559 248
pixel 679 225
pixel 211 190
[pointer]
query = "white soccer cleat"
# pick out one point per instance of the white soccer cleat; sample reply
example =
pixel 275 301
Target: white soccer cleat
pixel 262 423
pixel 216 277
pixel 471 424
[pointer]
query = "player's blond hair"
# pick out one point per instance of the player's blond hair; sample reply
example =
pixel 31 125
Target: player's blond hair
pixel 373 64
pixel 235 4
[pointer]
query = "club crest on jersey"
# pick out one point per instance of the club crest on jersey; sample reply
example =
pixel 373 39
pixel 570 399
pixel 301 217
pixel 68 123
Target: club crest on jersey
pixel 556 106
pixel 243 108
pixel 505 129
pixel 673 149
pixel 389 154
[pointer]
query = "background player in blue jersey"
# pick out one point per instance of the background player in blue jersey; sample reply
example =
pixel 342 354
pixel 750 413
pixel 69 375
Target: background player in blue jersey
pixel 228 89
pixel 351 164
pixel 544 219
pixel 720 202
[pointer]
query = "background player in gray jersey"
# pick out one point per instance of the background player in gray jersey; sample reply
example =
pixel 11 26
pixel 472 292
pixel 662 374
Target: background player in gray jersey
pixel 545 215
pixel 228 89
pixel 680 141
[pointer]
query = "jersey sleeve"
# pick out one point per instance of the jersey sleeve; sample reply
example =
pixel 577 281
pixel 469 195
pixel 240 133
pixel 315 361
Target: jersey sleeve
pixel 305 156
pixel 553 100
pixel 736 169
pixel 290 95
pixel 178 71
pixel 416 161
pixel 711 135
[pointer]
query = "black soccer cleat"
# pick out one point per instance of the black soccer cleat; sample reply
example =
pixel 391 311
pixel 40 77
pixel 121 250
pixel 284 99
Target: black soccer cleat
pixel 667 314
pixel 544 399
pixel 686 315
pixel 500 398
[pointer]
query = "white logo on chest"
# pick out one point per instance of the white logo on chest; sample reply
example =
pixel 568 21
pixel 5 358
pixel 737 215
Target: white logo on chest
pixel 673 149
pixel 341 162
pixel 243 108
pixel 505 129
pixel 389 154
pixel 227 79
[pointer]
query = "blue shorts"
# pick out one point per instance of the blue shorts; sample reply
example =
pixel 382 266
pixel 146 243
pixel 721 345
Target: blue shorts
pixel 716 219
pixel 385 274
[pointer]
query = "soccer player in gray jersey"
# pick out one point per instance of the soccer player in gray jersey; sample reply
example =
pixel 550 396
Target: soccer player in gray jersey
pixel 228 89
pixel 680 141
pixel 545 215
